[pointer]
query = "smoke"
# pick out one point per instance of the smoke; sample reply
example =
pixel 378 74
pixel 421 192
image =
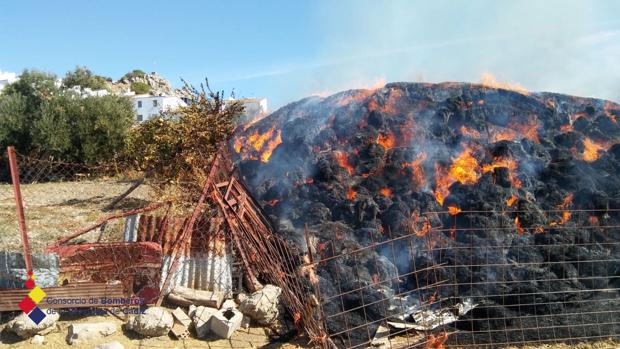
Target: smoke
pixel 560 46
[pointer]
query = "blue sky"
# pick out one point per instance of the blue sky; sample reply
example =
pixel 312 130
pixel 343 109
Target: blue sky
pixel 286 50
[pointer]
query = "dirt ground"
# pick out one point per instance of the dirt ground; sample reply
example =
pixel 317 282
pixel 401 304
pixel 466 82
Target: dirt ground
pixel 253 337
pixel 54 210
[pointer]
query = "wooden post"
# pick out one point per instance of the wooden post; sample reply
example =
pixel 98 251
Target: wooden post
pixel 19 207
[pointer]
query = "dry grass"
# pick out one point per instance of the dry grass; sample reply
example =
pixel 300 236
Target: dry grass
pixel 54 210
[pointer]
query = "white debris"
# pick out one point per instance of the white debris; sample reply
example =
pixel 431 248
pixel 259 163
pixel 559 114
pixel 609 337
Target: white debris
pixel 84 332
pixel 154 322
pixel 24 327
pixel 262 306
pixel 225 322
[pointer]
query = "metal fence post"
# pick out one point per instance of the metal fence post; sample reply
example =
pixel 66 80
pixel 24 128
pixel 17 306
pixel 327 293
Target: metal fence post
pixel 19 206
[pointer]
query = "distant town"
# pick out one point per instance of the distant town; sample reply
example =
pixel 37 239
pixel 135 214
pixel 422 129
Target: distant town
pixel 156 97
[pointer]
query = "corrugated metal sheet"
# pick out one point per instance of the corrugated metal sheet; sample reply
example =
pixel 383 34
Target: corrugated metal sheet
pixel 13 269
pixel 204 264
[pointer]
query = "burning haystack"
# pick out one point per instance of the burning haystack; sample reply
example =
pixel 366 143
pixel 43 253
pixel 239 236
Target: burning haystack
pixel 509 169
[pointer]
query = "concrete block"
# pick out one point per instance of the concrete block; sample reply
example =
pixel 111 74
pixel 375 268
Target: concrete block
pixel 179 331
pixel 202 320
pixel 181 317
pixel 225 322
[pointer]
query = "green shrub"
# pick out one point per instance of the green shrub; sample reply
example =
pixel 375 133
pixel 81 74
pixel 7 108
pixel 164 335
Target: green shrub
pixel 140 88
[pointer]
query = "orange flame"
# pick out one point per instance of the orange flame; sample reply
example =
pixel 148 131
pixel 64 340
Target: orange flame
pixel 511 200
pixel 436 342
pixel 528 130
pixel 453 209
pixel 351 194
pixel 389 106
pixel 487 79
pixel 469 132
pixel 520 229
pixel 263 143
pixel 566 128
pixel 343 161
pixel 387 141
pixel 465 168
pixel 593 220
pixel 505 134
pixel 591 149
pixel 566 215
pixel 271 145
pixel 508 162
pixel 416 169
pixel 387 192
pixel 272 202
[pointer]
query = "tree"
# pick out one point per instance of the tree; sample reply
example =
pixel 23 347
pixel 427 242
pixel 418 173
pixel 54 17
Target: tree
pixel 177 148
pixel 21 107
pixel 41 120
pixel 84 77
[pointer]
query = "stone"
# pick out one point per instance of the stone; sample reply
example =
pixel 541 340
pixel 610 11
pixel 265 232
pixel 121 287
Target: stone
pixel 110 345
pixel 262 306
pixel 81 333
pixel 191 311
pixel 154 322
pixel 202 319
pixel 225 322
pixel 229 303
pixel 37 339
pixel 180 316
pixel 25 328
pixel 185 296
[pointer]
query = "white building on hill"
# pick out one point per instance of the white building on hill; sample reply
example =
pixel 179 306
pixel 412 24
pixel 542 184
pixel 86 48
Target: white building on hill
pixel 147 106
pixel 6 78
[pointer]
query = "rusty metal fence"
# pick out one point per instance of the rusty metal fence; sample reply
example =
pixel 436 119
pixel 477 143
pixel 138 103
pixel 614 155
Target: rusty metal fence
pixel 475 279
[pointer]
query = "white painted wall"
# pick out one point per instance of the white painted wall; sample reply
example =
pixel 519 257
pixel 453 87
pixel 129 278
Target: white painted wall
pixel 6 78
pixel 147 106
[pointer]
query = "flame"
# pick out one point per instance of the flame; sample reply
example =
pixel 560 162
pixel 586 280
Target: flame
pixel 487 79
pixel 593 220
pixel 453 209
pixel 566 128
pixel 591 149
pixel 566 215
pixel 469 132
pixel 263 143
pixel 417 172
pixel 465 168
pixel 508 162
pixel 528 130
pixel 351 194
pixel 271 145
pixel 505 134
pixel 387 141
pixel 520 229
pixel 355 97
pixel 389 106
pixel 442 184
pixel 436 342
pixel 343 161
pixel 387 192
pixel 238 145
pixel 511 200
pixel 608 107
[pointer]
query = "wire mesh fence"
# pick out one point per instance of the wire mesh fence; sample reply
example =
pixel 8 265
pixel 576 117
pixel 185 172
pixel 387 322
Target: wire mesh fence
pixel 477 279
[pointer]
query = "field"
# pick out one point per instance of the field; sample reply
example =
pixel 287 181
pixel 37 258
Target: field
pixel 54 210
